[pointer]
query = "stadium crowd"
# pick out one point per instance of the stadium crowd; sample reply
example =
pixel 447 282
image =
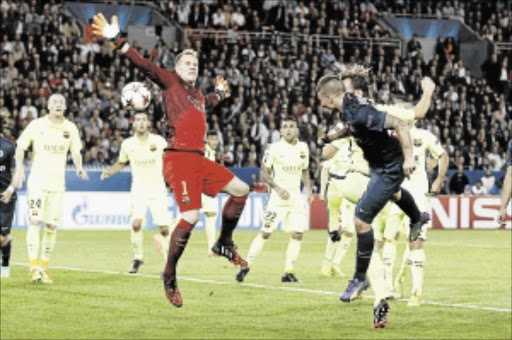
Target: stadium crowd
pixel 44 50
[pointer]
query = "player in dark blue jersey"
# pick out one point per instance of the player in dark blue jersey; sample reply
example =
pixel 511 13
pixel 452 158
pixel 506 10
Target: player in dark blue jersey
pixel 390 159
pixel 7 201
pixel 506 189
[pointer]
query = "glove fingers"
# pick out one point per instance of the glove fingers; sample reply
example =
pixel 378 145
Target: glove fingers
pixel 115 20
pixel 101 19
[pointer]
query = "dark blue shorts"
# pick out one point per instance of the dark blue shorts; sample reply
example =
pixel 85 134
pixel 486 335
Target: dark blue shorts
pixel 7 215
pixel 383 184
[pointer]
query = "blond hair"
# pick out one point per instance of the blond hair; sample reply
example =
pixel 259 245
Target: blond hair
pixel 331 84
pixel 359 74
pixel 188 51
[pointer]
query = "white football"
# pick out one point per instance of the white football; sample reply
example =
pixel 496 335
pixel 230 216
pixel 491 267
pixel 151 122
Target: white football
pixel 136 96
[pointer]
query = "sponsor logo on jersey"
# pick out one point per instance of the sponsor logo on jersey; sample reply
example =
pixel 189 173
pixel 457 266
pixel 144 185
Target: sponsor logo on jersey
pixel 66 134
pixel 145 162
pixel 185 200
pixel 417 142
pixel 198 105
pixel 55 148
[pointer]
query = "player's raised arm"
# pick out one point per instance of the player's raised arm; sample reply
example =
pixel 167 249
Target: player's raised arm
pixel 428 87
pixel 404 136
pixel 435 148
pixel 101 28
pixel 339 131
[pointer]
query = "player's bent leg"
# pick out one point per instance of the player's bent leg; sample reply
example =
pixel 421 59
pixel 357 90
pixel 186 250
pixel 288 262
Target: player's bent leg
pixel 292 254
pixel 209 227
pixel 405 201
pixel 346 240
pixel 137 239
pixel 47 245
pixel 418 261
pixel 254 250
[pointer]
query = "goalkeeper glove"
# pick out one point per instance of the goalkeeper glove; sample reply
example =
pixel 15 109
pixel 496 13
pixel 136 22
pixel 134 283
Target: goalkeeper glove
pixel 111 32
pixel 221 87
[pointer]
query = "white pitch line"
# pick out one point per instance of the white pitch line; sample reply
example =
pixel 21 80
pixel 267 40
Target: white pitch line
pixel 256 285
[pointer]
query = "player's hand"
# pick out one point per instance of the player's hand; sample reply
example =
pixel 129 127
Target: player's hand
pixel 5 197
pixel 436 187
pixel 103 29
pixel 409 167
pixel 82 174
pixel 222 87
pixel 427 85
pixel 105 174
pixel 284 194
pixel 501 217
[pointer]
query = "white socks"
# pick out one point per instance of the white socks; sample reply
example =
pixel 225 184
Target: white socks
pixel 209 227
pixel 418 259
pixel 388 260
pixel 256 248
pixel 47 246
pixel 341 250
pixel 292 253
pixel 376 277
pixel 137 239
pixel 33 244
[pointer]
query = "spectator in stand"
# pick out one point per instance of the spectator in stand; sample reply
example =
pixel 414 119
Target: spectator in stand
pixel 458 181
pixel 414 46
pixel 478 188
pixel 488 180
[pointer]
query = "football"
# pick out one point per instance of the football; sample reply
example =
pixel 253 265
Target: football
pixel 136 96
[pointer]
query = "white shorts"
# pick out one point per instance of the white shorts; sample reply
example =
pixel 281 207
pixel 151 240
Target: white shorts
pixel 209 204
pixel 45 205
pixel 157 204
pixel 293 217
pixel 399 221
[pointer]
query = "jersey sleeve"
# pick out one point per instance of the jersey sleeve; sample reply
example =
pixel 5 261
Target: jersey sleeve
pixel 123 153
pixel 27 136
pixel 433 145
pixel 268 157
pixel 163 77
pixel 75 142
pixel 162 143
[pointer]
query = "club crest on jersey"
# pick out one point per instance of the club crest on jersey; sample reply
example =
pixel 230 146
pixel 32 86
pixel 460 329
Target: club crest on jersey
pixel 152 147
pixel 185 200
pixel 417 142
pixel 66 134
pixel 302 154
pixel 198 105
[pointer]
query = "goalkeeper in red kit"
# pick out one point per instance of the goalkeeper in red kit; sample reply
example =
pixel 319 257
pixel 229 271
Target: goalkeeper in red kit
pixel 186 169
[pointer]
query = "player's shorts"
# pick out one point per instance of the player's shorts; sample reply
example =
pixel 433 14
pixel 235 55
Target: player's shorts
pixel 383 184
pixel 293 217
pixel 45 205
pixel 7 215
pixel 209 204
pixel 399 221
pixel 157 204
pixel 189 174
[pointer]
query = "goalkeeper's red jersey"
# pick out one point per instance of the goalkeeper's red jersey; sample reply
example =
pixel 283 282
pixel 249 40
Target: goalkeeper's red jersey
pixel 184 105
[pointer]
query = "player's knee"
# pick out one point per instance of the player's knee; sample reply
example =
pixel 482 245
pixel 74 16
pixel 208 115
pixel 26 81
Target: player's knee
pixel 35 221
pixel 137 225
pixel 210 214
pixel 4 240
pixel 242 189
pixel 415 245
pixel 377 246
pixel 50 227
pixel 397 236
pixel 297 236
pixel 191 216
pixel 164 230
pixel 335 235
pixel 361 226
pixel 265 235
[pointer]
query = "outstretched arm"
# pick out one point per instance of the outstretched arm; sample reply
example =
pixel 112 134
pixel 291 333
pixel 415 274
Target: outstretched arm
pixel 101 28
pixel 420 110
pixel 113 170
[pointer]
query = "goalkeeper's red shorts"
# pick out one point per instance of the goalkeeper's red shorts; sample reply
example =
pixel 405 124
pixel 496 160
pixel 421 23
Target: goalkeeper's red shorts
pixel 189 174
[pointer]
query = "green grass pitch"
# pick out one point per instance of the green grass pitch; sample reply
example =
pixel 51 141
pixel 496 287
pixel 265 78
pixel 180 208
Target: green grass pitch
pixel 467 292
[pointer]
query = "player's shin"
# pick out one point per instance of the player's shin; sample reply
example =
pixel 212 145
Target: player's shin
pixel 33 244
pixel 418 260
pixel 47 245
pixel 342 248
pixel 376 277
pixel 292 253
pixel 137 239
pixel 209 228
pixel 230 215
pixel 177 244
pixel 6 251
pixel 388 259
pixel 365 242
pixel 256 247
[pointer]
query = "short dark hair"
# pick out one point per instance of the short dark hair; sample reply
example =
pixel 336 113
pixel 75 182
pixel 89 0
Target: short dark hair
pixel 211 133
pixel 288 118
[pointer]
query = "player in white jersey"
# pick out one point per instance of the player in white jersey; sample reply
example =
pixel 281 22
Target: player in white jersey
pixel 209 205
pixel 144 151
pixel 348 158
pixel 51 137
pixel 423 142
pixel 285 164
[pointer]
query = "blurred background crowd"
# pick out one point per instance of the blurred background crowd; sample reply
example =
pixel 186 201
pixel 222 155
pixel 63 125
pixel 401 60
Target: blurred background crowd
pixel 43 50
